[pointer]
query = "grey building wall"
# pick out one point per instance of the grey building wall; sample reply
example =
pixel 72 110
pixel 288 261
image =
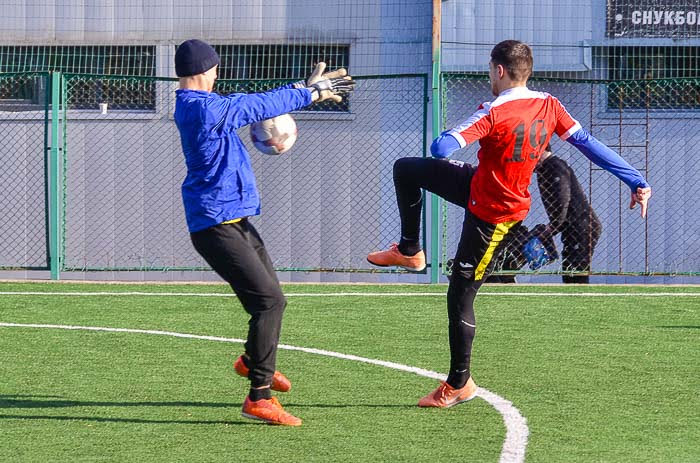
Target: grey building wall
pixel 325 203
pixel 22 193
pixel 123 206
pixel 385 37
pixel 564 37
pixel 557 30
pixel 667 242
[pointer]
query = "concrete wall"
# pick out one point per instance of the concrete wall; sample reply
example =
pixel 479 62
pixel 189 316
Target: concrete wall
pixel 125 169
pixel 385 36
pixel 555 29
pixel 325 203
pixel 667 241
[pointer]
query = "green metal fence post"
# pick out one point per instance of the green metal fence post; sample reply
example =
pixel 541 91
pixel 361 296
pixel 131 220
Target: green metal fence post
pixel 435 199
pixel 55 181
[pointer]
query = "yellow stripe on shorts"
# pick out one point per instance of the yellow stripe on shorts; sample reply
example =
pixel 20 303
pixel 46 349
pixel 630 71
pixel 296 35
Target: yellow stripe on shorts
pixel 498 234
pixel 232 221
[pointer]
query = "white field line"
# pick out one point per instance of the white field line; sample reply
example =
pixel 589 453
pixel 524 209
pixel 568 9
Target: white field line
pixel 340 294
pixel 514 445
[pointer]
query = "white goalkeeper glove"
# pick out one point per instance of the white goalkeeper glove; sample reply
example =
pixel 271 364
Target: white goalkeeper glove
pixel 332 85
pixel 333 89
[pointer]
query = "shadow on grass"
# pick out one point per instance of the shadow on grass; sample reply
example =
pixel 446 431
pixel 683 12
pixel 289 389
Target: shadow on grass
pixel 28 401
pixel 286 404
pixel 121 420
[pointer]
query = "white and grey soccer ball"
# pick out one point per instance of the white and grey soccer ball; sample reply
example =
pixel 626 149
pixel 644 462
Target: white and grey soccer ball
pixel 274 136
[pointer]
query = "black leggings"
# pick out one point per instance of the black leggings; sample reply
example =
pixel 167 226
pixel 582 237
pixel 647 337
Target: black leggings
pixel 446 178
pixel 237 253
pixel 479 245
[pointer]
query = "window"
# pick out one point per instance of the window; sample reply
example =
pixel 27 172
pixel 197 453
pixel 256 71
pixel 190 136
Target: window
pixel 22 92
pixel 278 62
pixel 84 92
pixel 652 77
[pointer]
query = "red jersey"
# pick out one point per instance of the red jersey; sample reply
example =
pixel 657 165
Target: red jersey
pixel 512 130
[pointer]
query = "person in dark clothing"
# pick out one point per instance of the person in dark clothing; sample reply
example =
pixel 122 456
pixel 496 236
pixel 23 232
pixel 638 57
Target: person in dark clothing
pixel 569 213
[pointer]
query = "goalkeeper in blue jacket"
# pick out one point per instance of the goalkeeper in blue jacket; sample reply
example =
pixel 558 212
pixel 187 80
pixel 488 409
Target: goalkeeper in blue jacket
pixel 220 194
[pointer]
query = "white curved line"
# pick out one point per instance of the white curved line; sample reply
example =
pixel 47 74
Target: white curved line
pixel 513 450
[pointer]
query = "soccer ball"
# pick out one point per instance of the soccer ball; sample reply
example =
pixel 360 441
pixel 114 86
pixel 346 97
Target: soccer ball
pixel 274 136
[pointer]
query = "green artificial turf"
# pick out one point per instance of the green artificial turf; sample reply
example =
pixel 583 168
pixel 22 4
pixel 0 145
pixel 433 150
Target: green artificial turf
pixel 598 378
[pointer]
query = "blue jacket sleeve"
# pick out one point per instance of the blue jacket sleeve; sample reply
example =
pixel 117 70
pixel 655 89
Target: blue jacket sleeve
pixel 606 158
pixel 234 111
pixel 299 84
pixel 444 145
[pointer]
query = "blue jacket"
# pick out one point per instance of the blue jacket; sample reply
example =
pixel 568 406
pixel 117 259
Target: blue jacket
pixel 220 184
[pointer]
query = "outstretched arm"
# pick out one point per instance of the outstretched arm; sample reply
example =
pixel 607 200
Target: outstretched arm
pixel 239 109
pixel 236 110
pixel 609 160
pixel 477 126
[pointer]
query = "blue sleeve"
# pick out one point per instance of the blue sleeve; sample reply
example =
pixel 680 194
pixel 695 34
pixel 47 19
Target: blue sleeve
pixel 237 110
pixel 606 158
pixel 287 87
pixel 444 145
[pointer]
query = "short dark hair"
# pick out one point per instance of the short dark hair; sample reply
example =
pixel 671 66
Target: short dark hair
pixel 515 56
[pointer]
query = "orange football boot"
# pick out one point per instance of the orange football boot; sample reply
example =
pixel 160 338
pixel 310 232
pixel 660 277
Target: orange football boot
pixel 445 396
pixel 269 411
pixel 279 381
pixel 393 257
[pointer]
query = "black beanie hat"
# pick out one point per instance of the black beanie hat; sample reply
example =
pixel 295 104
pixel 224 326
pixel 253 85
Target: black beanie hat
pixel 194 57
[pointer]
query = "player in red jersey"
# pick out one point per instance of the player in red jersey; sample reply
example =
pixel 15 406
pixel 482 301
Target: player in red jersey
pixel 513 131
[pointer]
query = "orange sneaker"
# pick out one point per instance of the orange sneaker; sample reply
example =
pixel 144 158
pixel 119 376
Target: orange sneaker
pixel 279 381
pixel 445 396
pixel 270 411
pixel 393 257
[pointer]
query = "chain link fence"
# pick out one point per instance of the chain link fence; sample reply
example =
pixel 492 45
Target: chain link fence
pixel 325 203
pixel 23 203
pixel 654 125
pixel 331 198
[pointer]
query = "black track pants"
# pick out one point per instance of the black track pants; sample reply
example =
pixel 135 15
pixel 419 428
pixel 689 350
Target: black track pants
pixel 479 245
pixel 446 178
pixel 237 253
